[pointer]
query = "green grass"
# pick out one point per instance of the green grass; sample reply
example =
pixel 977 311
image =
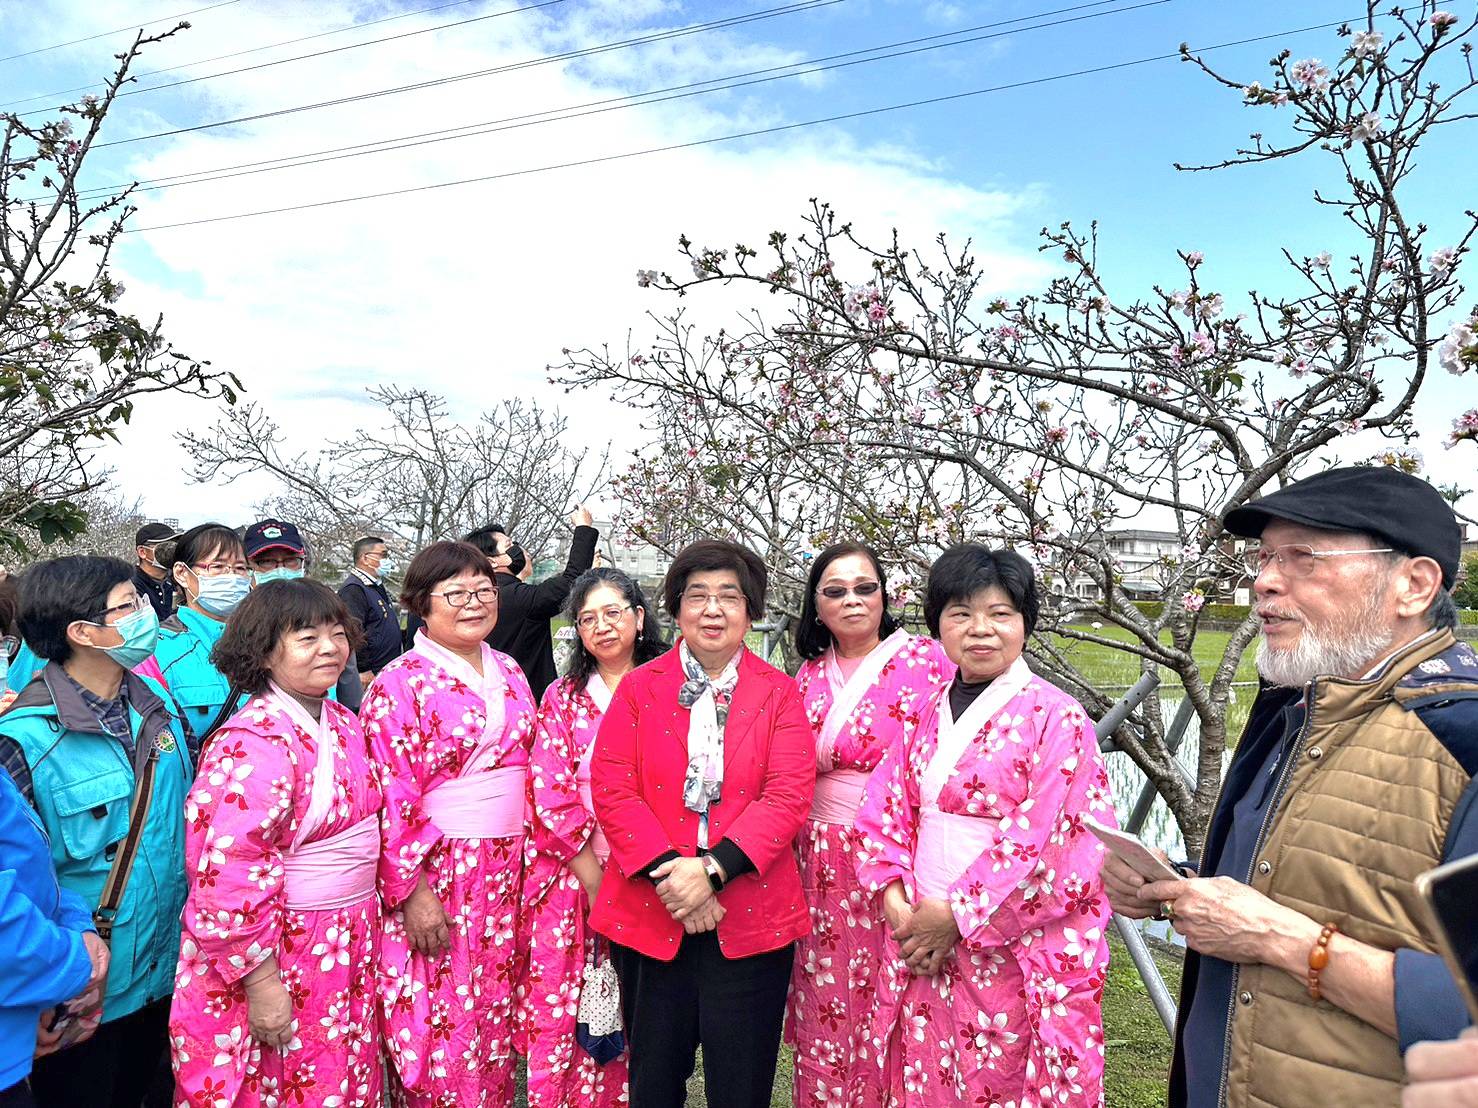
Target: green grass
pixel 1113 671
pixel 1136 1047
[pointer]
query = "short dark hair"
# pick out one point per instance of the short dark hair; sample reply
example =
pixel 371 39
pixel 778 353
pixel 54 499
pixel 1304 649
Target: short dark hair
pixel 363 544
pixel 485 538
pixel 707 555
pixel 206 539
pixel 268 613
pixel 964 570
pixel 649 643
pixel 58 592
pixel 439 562
pixel 811 635
pixel 10 607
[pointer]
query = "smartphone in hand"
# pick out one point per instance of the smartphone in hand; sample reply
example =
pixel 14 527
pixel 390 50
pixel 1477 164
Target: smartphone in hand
pixel 1451 893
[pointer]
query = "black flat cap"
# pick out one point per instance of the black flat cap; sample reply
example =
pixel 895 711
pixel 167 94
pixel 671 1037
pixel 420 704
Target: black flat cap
pixel 1400 509
pixel 151 533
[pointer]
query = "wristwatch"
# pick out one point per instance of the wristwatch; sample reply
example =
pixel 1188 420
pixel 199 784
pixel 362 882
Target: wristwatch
pixel 715 873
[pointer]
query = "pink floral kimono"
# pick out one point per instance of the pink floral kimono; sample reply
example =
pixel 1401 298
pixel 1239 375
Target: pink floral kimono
pixel 561 1075
pixel 847 958
pixel 283 841
pixel 452 751
pixel 986 813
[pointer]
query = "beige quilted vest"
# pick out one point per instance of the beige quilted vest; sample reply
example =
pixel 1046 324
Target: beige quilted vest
pixel 1365 810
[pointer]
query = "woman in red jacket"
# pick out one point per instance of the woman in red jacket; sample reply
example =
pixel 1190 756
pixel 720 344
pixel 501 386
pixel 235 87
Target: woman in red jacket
pixel 701 778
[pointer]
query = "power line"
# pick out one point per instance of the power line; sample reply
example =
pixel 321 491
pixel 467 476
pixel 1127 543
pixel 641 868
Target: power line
pixel 660 36
pixel 243 53
pixel 757 133
pixel 633 100
pixel 117 30
pixel 324 53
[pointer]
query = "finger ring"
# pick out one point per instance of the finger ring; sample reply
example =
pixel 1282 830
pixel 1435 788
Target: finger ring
pixel 1167 909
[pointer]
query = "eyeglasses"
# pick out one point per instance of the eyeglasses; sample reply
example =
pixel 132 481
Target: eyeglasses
pixel 220 569
pixel 862 589
pixel 460 598
pixel 127 608
pixel 1298 559
pixel 588 621
pixel 696 600
pixel 285 561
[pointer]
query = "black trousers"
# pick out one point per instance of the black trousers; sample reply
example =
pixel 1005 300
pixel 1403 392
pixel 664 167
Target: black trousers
pixel 123 1065
pixel 733 1009
pixel 17 1096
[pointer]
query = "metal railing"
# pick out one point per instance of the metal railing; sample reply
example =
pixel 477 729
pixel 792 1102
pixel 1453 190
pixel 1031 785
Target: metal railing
pixel 1138 949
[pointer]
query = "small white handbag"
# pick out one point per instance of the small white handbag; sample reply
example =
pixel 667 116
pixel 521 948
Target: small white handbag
pixel 598 1027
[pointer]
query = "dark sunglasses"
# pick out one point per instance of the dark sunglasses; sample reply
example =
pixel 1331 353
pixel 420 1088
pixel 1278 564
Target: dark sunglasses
pixel 862 589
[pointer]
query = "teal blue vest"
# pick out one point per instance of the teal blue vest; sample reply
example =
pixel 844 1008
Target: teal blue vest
pixel 185 642
pixel 82 786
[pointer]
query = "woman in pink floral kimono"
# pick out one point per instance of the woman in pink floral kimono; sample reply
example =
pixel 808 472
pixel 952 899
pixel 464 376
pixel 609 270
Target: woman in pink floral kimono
pixel 449 725
pixel 617 633
pixel 863 684
pixel 275 998
pixel 973 832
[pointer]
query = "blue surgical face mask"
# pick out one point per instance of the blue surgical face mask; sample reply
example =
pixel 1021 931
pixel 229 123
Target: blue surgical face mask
pixel 388 567
pixel 220 595
pixel 140 633
pixel 281 573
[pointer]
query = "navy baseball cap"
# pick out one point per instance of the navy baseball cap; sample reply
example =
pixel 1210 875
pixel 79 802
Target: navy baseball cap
pixel 272 534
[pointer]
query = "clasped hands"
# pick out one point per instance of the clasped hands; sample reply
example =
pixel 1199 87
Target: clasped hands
pixel 926 932
pixel 686 893
pixel 83 1013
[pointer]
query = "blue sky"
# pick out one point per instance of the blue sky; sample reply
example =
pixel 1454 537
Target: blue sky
pixel 999 166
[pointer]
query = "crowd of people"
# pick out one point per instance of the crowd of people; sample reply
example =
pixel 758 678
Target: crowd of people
pixel 268 843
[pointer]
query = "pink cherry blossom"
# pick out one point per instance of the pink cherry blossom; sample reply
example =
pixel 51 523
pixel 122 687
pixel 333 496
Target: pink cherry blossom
pixel 1464 426
pixel 1441 21
pixel 1193 601
pixel 1321 261
pixel 1056 435
pixel 1441 261
pixel 1459 350
pixel 1369 126
pixel 645 277
pixel 1300 367
pixel 1312 74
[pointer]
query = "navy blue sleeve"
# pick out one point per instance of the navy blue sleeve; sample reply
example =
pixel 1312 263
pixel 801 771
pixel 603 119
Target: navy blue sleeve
pixel 1428 1003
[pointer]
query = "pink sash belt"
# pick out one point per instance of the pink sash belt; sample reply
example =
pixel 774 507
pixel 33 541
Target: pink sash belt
pixel 334 872
pixel 838 796
pixel 482 805
pixel 598 844
pixel 948 845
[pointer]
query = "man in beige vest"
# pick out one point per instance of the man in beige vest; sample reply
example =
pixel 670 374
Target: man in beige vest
pixel 1311 964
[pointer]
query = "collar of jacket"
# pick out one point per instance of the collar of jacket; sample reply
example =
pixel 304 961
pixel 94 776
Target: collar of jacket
pixel 751 693
pixel 1342 698
pixel 51 693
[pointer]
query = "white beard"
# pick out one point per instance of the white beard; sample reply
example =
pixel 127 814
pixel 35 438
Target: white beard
pixel 1349 646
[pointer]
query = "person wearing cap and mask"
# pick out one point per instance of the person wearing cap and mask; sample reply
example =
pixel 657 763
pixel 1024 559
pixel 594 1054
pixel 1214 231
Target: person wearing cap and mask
pixel 524 610
pixel 1311 962
pixel 275 550
pixel 150 577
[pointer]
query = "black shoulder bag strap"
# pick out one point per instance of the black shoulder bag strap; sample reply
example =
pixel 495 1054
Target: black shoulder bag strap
pixel 128 850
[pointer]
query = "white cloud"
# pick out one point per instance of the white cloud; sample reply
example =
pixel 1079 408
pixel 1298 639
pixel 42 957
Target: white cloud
pixel 471 291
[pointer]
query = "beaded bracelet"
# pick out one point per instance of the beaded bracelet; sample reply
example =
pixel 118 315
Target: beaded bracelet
pixel 1319 958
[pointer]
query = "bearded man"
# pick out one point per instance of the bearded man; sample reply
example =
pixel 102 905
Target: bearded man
pixel 1311 961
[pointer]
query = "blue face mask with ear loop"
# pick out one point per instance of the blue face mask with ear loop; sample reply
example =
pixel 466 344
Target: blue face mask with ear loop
pixel 140 632
pixel 281 573
pixel 220 595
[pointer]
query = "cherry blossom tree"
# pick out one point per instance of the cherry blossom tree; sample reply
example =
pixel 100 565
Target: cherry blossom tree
pixel 887 396
pixel 420 476
pixel 72 363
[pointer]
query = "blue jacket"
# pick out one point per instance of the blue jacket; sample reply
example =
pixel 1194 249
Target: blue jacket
pixel 42 959
pixel 185 642
pixel 80 781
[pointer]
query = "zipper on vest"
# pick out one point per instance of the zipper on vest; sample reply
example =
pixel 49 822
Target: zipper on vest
pixel 1285 772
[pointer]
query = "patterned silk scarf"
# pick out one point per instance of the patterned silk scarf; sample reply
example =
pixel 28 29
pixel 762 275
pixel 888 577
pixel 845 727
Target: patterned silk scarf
pixel 707 702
